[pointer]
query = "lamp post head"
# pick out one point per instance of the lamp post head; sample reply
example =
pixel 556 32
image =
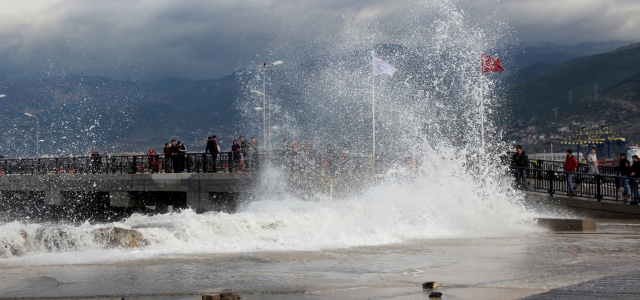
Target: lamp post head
pixel 28 114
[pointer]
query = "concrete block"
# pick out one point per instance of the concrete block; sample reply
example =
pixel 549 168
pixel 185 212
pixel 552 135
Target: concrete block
pixel 120 199
pixel 567 224
pixel 52 197
pixel 197 200
pixel 222 296
pixel 430 285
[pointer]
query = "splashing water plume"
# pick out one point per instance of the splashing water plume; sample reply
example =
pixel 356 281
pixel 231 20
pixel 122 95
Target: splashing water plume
pixel 428 112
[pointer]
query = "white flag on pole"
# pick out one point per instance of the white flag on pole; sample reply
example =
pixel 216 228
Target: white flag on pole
pixel 382 67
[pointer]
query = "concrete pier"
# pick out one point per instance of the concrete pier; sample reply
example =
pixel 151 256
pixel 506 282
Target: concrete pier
pixel 556 224
pixel 200 191
pixel 586 206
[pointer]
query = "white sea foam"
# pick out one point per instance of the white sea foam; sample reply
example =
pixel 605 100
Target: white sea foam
pixel 439 200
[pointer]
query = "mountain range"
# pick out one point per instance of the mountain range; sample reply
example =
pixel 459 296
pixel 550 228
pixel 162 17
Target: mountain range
pixel 554 100
pixel 77 113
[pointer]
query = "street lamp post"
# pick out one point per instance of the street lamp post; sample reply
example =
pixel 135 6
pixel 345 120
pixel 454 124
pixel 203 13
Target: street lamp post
pixel 260 109
pixel 264 98
pixel 37 132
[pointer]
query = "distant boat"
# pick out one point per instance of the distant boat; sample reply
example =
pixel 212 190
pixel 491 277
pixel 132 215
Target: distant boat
pixel 633 150
pixel 557 156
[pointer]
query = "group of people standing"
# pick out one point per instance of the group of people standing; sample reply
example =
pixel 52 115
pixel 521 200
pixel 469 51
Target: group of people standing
pixel 629 171
pixel 244 154
pixel 176 154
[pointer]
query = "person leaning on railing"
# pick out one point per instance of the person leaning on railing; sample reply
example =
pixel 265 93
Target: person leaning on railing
pixel 625 169
pixel 570 165
pixel 182 157
pixel 153 160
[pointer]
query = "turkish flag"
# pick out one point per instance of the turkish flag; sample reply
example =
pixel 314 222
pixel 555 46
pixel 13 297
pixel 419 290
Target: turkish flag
pixel 490 64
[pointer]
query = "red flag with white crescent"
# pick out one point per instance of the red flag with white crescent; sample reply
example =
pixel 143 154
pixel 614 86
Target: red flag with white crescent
pixel 490 64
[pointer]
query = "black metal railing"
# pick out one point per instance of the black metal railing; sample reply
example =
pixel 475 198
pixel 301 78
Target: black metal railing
pixel 549 177
pixel 131 164
pixel 303 161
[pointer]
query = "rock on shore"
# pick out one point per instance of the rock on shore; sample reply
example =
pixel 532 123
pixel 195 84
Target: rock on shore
pixel 116 237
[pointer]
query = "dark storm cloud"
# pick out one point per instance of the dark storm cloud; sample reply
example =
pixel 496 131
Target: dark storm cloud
pixel 209 39
pixel 571 21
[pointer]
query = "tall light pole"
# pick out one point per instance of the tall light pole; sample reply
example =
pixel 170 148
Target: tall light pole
pixel 260 109
pixel 264 97
pixel 37 132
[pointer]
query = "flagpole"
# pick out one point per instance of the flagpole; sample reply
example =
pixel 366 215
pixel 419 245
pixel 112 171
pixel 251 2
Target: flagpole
pixel 481 107
pixel 373 105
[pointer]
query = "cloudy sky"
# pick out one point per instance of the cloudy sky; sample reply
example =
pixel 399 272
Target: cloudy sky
pixel 153 39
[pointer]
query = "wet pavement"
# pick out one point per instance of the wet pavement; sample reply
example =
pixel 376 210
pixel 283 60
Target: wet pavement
pixel 623 286
pixel 467 268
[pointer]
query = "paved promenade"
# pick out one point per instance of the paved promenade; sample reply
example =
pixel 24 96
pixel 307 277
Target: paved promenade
pixel 586 206
pixel 624 286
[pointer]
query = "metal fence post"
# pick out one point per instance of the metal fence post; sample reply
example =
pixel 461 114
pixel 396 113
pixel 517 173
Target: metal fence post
pixel 551 174
pixel 134 166
pixel 598 187
pixel 204 162
pixel 618 183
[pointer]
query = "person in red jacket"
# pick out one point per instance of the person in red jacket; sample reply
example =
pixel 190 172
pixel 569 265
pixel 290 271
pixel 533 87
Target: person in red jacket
pixel 570 166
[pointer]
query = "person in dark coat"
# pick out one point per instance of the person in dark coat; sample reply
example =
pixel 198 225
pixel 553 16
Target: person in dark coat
pixel 625 168
pixel 521 163
pixel 184 160
pixel 182 151
pixel 174 156
pixel 96 161
pixel 236 150
pixel 634 172
pixel 167 157
pixel 212 147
